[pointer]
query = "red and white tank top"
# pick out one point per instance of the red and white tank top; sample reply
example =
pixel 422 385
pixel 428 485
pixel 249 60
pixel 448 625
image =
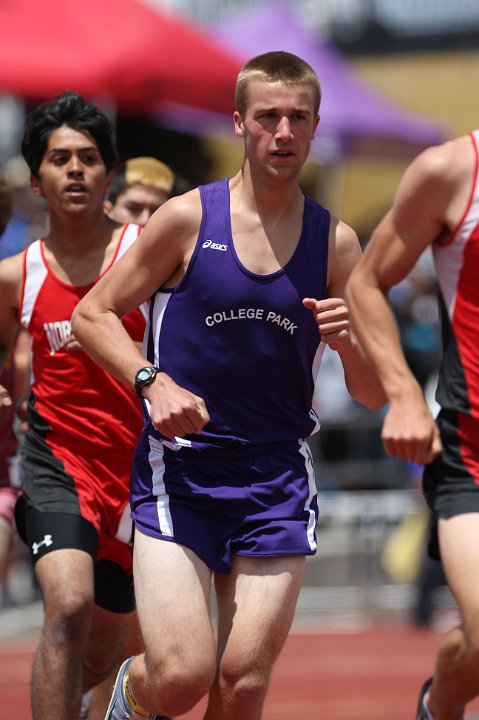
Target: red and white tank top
pixel 457 267
pixel 76 402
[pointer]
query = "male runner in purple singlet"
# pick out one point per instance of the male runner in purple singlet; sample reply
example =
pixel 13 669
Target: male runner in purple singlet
pixel 223 480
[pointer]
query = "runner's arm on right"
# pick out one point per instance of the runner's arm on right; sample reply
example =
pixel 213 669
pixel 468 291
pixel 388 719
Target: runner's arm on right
pixel 414 222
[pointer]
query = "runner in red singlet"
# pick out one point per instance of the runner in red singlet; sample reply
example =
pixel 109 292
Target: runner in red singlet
pixel 83 425
pixel 437 205
pixel 9 479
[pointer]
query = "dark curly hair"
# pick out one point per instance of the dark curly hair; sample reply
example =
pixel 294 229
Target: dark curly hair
pixel 72 109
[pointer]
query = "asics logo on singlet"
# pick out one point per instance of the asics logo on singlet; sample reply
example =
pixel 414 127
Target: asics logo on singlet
pixel 214 246
pixel 47 541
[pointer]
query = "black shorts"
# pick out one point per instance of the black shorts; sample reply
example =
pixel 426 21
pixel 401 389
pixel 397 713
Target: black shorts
pixel 44 532
pixel 451 481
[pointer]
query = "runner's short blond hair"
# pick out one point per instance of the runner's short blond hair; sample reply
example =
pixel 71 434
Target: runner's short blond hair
pixel 149 171
pixel 276 66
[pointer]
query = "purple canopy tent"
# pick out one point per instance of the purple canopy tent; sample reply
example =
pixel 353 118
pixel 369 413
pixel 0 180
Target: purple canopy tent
pixel 354 117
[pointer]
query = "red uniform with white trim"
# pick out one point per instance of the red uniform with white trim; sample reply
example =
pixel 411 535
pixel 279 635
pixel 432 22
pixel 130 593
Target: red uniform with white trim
pixel 457 267
pixel 83 423
pixel 451 482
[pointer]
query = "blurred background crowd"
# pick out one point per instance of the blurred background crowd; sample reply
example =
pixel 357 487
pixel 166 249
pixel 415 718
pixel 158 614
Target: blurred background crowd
pixel 397 75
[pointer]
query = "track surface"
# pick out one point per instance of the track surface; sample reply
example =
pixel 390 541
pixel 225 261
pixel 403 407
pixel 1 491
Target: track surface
pixel 371 674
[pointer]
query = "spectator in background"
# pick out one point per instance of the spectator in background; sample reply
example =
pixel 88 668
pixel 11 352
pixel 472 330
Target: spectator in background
pixel 29 216
pixel 6 205
pixel 12 379
pixel 139 187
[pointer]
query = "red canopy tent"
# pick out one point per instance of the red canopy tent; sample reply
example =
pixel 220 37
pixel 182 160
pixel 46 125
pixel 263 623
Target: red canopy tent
pixel 118 50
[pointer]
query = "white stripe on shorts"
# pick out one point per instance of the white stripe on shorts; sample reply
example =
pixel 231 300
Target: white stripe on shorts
pixel 155 458
pixel 306 453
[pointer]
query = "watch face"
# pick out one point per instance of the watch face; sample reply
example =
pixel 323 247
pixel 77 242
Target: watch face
pixel 144 377
pixel 144 374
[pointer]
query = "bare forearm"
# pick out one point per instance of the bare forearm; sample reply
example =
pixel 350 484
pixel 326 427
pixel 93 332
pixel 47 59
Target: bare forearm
pixel 378 334
pixel 104 338
pixel 360 376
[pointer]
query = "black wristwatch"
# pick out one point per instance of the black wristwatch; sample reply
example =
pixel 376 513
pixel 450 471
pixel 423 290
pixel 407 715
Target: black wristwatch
pixel 145 377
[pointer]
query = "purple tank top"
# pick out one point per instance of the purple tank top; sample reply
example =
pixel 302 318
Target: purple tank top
pixel 241 341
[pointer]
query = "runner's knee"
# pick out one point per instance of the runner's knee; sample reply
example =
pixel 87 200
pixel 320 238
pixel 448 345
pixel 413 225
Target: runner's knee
pixel 243 680
pixel 179 684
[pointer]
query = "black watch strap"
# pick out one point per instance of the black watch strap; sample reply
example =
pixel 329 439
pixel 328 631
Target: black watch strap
pixel 145 377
